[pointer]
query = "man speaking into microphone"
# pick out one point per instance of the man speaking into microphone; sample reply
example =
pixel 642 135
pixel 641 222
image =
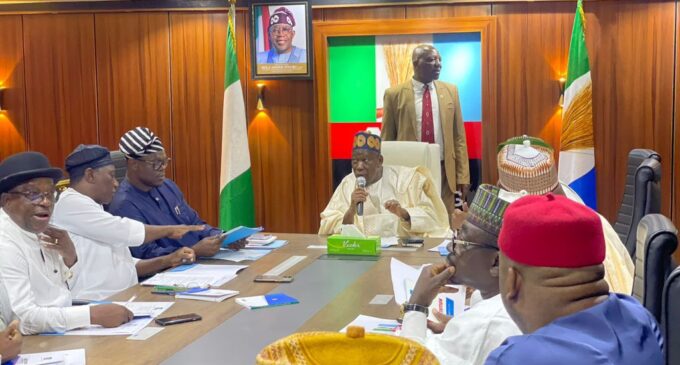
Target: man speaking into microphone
pixel 391 200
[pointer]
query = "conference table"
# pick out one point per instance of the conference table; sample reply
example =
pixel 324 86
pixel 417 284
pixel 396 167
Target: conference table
pixel 332 292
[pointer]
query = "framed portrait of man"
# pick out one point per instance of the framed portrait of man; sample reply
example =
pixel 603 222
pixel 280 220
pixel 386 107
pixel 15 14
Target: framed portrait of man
pixel 281 40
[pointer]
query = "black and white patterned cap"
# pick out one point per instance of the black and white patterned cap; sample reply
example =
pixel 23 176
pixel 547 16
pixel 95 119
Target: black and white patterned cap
pixel 139 142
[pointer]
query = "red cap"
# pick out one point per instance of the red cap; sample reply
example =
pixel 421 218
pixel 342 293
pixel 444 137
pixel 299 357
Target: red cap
pixel 551 231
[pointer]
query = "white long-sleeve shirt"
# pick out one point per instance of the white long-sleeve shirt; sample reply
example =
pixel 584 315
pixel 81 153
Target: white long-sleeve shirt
pixel 37 282
pixel 418 91
pixel 468 338
pixel 102 240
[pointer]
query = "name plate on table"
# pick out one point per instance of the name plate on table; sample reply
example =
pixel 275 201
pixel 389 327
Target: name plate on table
pixel 345 245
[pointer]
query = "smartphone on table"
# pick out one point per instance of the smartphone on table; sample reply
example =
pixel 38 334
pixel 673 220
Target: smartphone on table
pixel 167 321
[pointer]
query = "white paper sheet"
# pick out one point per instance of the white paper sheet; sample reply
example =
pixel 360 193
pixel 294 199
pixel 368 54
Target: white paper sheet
pixel 196 275
pixel 68 357
pixel 153 309
pixel 404 278
pixel 376 325
pixel 389 241
pixel 443 244
pixel 240 255
pixel 145 333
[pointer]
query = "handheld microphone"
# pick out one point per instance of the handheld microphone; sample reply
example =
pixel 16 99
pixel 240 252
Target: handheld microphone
pixel 361 182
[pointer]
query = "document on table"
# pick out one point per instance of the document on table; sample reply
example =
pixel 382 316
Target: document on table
pixel 376 325
pixel 240 255
pixel 196 275
pixel 388 241
pixel 68 357
pixel 404 279
pixel 152 309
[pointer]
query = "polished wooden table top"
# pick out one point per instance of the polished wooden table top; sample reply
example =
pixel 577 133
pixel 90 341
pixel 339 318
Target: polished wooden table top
pixel 354 300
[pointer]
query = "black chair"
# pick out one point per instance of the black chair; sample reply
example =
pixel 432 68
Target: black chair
pixel 641 196
pixel 670 318
pixel 657 239
pixel 120 163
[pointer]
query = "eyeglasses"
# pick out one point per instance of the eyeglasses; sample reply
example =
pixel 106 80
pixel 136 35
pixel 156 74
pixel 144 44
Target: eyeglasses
pixel 36 197
pixel 457 247
pixel 157 164
pixel 282 30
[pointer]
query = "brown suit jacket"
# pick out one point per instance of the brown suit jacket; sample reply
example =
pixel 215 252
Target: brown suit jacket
pixel 399 124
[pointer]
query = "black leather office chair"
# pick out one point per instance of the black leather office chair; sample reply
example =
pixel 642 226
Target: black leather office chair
pixel 657 239
pixel 120 163
pixel 670 318
pixel 641 196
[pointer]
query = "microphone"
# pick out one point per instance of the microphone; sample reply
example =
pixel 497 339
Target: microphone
pixel 361 182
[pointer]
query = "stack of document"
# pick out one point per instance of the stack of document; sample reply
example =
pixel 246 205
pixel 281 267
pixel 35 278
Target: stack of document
pixel 269 246
pixel 240 255
pixel 196 275
pixel 210 295
pixel 263 301
pixel 261 239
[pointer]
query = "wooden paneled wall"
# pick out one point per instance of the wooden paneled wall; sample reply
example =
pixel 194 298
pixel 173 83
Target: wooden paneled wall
pixel 87 78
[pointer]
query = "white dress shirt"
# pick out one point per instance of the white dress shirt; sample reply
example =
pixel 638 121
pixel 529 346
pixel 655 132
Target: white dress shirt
pixel 102 240
pixel 418 89
pixel 469 337
pixel 37 282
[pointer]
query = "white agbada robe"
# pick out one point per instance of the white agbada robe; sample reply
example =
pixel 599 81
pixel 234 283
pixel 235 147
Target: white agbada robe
pixel 412 187
pixel 101 240
pixel 37 282
pixel 469 337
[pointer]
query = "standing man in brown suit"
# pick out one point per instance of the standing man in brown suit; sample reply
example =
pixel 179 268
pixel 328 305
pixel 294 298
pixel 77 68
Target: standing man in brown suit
pixel 427 110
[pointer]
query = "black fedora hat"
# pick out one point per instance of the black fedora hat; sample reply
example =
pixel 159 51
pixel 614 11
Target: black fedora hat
pixel 25 166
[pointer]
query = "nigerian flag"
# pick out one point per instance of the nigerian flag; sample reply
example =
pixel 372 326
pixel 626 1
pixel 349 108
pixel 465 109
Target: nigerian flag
pixel 577 156
pixel 237 206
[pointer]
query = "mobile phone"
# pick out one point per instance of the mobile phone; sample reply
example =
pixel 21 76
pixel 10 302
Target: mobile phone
pixel 273 279
pixel 191 317
pixel 413 241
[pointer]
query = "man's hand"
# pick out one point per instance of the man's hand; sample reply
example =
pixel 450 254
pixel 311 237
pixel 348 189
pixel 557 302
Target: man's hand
pixel 208 246
pixel 109 315
pixel 429 283
pixel 238 244
pixel 177 232
pixel 57 239
pixel 459 216
pixel 359 195
pixel 395 208
pixel 438 327
pixel 10 341
pixel 184 255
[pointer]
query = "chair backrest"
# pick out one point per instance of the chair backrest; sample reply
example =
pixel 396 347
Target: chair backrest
pixel 657 239
pixel 670 317
pixel 120 163
pixel 414 154
pixel 641 196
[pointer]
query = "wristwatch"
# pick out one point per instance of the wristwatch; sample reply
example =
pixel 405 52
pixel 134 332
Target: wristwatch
pixel 408 307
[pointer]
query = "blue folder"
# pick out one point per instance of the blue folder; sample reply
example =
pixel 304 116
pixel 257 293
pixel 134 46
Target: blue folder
pixel 239 233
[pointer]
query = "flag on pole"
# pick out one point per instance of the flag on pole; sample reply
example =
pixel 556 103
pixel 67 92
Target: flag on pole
pixel 577 154
pixel 237 204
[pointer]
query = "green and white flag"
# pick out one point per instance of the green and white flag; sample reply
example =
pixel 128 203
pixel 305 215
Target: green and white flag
pixel 577 142
pixel 237 204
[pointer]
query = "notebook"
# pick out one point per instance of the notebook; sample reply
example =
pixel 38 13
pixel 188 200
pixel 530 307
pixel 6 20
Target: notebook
pixel 268 300
pixel 210 295
pixel 239 233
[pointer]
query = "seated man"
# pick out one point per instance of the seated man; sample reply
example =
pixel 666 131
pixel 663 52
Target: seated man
pixel 526 166
pixel 469 337
pixel 101 239
pixel 148 197
pixel 397 200
pixel 552 284
pixel 38 261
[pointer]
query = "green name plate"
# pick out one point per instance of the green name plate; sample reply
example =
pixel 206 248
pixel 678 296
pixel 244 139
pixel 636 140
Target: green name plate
pixel 344 245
